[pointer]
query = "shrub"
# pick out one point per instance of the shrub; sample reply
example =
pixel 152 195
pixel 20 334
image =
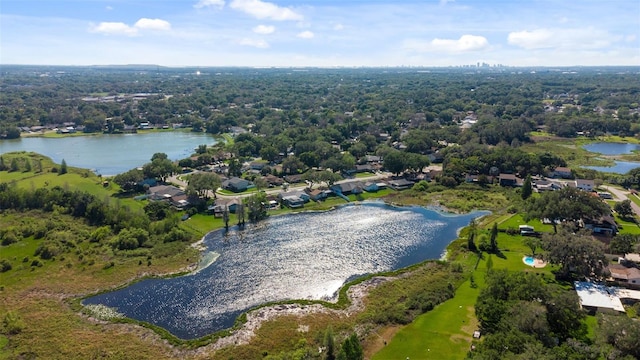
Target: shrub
pixel 12 324
pixel 47 251
pixel 5 265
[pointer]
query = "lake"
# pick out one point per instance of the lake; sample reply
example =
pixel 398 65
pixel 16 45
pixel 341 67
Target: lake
pixel 611 149
pixel 111 154
pixel 295 256
pixel 606 148
pixel 620 167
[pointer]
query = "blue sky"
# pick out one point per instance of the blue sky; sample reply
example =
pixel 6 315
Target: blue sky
pixel 320 33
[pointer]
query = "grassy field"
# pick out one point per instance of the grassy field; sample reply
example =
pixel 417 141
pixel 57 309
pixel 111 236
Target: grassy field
pixel 446 331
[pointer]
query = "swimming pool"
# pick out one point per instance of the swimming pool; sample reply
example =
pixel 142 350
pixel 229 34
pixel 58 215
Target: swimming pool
pixel 528 260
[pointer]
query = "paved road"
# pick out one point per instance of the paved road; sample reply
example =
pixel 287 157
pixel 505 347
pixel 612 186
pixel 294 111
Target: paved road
pixel 622 195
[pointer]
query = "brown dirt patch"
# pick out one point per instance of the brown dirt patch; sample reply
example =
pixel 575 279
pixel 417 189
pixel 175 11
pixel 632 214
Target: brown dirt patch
pixel 379 339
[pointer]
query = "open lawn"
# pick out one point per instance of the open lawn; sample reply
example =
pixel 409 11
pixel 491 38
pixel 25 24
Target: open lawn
pixel 446 331
pixel 516 220
pixel 627 227
pixel 443 333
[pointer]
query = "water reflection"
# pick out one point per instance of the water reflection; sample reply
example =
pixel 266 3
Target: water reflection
pixel 301 256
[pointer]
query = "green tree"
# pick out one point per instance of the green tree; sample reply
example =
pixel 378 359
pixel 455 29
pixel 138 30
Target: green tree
pixel 351 349
pixel 527 190
pixel 63 167
pixel 269 153
pixel 203 183
pixel 623 243
pixel 159 168
pixel 129 180
pixel 394 161
pixel 532 243
pixel 256 206
pixel 14 165
pixel 329 344
pixel 27 165
pixel 493 240
pixel 578 254
pixel 566 204
pixel 624 209
pixel 473 228
pixel 618 336
pixel 235 168
pixel 292 165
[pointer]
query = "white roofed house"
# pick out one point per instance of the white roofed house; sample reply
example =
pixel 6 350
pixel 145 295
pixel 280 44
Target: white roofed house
pixel 585 185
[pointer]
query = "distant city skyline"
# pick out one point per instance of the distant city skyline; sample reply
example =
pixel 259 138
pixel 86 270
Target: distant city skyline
pixel 314 33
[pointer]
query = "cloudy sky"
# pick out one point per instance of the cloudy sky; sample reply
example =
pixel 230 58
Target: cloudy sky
pixel 320 32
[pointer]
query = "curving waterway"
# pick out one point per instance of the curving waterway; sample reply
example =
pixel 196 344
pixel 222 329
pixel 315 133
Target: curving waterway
pixel 297 256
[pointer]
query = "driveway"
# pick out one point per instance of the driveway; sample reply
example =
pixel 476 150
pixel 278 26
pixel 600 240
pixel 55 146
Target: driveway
pixel 622 195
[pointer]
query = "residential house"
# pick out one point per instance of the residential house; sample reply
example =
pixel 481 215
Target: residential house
pixel 371 186
pixel 595 297
pixel 562 172
pixel 317 195
pixel 400 184
pixel 293 179
pixel 364 168
pixel 221 204
pixel 273 180
pixel 605 225
pixel 585 185
pixel 373 159
pixel 436 157
pixel 293 201
pixel 633 257
pixel 296 193
pixel 171 194
pixel 257 165
pixel 348 187
pixel 546 185
pixel 507 180
pixel 623 274
pixel 237 184
pixel 164 192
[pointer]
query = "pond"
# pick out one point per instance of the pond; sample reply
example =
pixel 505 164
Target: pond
pixel 620 167
pixel 606 148
pixel 296 256
pixel 111 154
pixel 612 149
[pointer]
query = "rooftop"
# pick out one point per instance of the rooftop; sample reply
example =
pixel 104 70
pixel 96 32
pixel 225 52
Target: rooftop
pixel 599 296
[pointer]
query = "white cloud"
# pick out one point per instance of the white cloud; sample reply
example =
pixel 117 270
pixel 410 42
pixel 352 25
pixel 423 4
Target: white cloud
pixel 120 28
pixel 562 38
pixel 265 10
pixel 207 3
pixel 108 8
pixel 445 2
pixel 258 43
pixel 264 29
pixel 306 35
pixel 630 38
pixel 114 28
pixel 338 27
pixel 464 44
pixel 536 39
pixel 152 24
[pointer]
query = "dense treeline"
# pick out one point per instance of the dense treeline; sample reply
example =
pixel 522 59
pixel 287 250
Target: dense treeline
pixel 124 229
pixel 345 103
pixel 522 317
